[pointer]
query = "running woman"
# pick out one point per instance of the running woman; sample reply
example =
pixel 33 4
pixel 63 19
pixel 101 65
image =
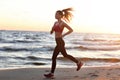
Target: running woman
pixel 62 17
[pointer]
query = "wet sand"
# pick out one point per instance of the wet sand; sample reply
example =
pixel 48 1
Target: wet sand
pixel 86 73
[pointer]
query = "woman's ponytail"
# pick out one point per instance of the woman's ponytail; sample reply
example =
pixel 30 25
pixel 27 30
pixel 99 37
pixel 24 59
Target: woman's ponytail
pixel 67 14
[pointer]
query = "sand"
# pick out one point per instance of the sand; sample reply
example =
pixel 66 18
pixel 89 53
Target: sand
pixel 86 73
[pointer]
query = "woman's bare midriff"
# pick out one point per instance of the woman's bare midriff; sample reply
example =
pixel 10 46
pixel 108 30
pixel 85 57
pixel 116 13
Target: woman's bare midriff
pixel 58 34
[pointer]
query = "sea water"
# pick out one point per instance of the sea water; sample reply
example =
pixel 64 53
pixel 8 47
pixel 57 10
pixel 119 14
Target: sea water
pixel 34 49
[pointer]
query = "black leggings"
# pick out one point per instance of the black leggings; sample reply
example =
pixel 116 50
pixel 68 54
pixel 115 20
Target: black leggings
pixel 60 48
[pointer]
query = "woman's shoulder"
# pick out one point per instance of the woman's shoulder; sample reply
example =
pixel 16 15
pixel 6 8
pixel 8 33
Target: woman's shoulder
pixel 64 23
pixel 55 22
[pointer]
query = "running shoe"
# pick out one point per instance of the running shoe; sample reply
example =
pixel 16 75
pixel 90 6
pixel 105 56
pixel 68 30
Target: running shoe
pixel 50 75
pixel 79 65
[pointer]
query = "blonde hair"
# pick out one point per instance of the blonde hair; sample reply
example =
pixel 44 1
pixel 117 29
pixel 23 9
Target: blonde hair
pixel 66 14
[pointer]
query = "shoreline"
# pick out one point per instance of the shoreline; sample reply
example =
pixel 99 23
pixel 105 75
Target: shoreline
pixel 86 73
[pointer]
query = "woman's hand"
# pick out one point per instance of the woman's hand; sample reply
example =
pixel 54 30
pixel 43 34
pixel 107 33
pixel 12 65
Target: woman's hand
pixel 51 31
pixel 70 31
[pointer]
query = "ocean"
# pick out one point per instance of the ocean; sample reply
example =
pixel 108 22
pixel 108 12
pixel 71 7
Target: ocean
pixel 21 49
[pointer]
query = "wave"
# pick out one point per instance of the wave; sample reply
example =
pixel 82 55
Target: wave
pixel 19 41
pixel 112 60
pixel 102 48
pixel 36 58
pixel 51 48
pixel 33 58
pixel 25 41
pixel 22 37
pixel 97 42
pixel 94 47
pixel 14 49
pixel 25 58
pixel 35 63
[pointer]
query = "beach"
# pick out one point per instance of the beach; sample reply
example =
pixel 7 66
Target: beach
pixel 86 73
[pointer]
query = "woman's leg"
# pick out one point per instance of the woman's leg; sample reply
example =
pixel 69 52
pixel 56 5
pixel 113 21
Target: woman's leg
pixel 64 53
pixel 79 63
pixel 55 54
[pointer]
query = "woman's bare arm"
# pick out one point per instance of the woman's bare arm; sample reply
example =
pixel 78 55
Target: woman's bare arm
pixel 70 30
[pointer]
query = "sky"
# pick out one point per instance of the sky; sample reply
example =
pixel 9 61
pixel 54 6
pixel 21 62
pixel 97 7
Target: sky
pixel 94 16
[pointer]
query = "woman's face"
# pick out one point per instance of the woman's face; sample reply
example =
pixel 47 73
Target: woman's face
pixel 57 15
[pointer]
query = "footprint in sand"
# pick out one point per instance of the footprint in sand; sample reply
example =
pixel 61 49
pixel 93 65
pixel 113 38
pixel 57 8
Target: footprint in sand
pixel 93 74
pixel 76 76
